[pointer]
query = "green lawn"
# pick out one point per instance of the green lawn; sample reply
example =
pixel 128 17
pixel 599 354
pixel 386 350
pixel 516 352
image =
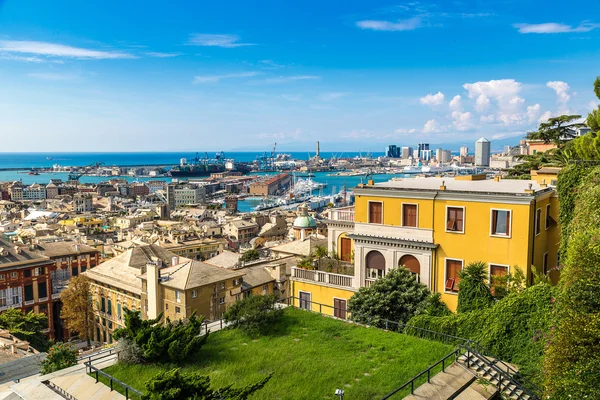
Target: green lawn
pixel 310 356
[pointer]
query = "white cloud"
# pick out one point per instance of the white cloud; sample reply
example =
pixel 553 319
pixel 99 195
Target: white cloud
pixel 28 59
pixel 400 25
pixel 217 78
pixel 545 116
pixel 271 63
pixel 487 118
pixel 432 99
pixel 51 76
pixel 216 40
pixel 291 97
pixel 58 50
pixel 403 131
pixel 282 135
pixel 332 96
pixel 285 79
pixel 482 103
pixel 431 126
pixel 553 27
pixel 462 120
pixel 359 134
pixel 159 54
pixel 455 103
pixel 533 112
pixel 562 93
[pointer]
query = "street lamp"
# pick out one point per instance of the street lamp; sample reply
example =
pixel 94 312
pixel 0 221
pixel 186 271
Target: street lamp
pixel 339 392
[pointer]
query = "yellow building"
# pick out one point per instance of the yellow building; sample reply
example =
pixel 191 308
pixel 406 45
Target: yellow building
pixel 435 227
pixel 196 248
pixel 86 222
pixel 153 280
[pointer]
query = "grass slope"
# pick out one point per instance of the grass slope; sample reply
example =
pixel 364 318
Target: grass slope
pixel 310 356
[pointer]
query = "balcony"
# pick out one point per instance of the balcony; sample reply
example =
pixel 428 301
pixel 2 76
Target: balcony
pixel 368 282
pixel 342 214
pixel 394 232
pixel 327 278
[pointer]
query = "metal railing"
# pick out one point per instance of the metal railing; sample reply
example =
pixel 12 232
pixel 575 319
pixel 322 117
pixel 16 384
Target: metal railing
pixel 112 380
pixel 455 354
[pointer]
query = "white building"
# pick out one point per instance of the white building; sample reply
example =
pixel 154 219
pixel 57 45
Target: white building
pixel 464 151
pixel 34 192
pixel 82 203
pixel 482 152
pixel 189 194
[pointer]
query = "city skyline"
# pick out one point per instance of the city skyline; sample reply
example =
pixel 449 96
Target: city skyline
pixel 356 76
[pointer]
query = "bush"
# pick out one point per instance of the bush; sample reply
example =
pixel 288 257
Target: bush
pixel 514 329
pixel 250 255
pixel 434 306
pixel 473 293
pixel 129 351
pixel 176 385
pixel 59 356
pixel 254 314
pixel 572 363
pixel 396 297
pixel 168 342
pixel 26 326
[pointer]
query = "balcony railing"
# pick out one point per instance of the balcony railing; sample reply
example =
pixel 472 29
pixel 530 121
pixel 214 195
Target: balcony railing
pixel 8 306
pixel 342 214
pixel 323 277
pixel 369 282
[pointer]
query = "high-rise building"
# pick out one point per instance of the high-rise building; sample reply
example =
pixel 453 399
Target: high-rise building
pixel 426 154
pixel 406 152
pixel 438 154
pixel 392 151
pixel 482 152
pixel 420 148
pixel 464 151
pixel 507 149
pixel 318 150
pixel 446 156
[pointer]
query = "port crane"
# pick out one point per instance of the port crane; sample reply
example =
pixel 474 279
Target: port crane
pixel 266 163
pixel 75 175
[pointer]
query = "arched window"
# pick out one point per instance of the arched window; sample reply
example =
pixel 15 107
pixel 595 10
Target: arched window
pixel 375 264
pixel 412 264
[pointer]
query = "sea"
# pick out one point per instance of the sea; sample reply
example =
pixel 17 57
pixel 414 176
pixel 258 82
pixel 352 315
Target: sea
pixel 27 161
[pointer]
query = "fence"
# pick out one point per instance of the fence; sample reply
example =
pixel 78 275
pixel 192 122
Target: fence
pixel 126 389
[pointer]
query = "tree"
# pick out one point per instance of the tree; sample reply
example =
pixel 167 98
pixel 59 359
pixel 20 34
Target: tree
pixel 77 309
pixel 177 385
pixel 26 326
pixel 434 306
pixel 473 292
pixel 556 130
pixel 572 360
pixel 320 252
pixel 60 356
pixel 250 255
pixel 168 342
pixel 254 314
pixel 502 286
pixel 396 297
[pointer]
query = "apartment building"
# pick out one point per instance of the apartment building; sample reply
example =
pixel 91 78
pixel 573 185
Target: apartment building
pixel 435 227
pixel 241 230
pixel 196 248
pixel 82 203
pixel 153 280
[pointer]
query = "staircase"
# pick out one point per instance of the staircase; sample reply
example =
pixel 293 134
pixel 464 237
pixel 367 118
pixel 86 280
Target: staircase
pixel 455 382
pixel 498 374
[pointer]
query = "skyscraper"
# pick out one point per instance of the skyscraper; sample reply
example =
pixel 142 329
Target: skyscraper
pixel 392 151
pixel 482 152
pixel 407 152
pixel 464 151
pixel 420 148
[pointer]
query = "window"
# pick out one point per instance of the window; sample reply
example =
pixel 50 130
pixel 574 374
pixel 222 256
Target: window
pixel 167 306
pixel 109 307
pixel 455 219
pixel 538 221
pixel 264 289
pixel 409 215
pixel 194 293
pixel 375 212
pixel 3 301
pixel 497 271
pixel 545 263
pixel 103 304
pixel 28 292
pixel 375 264
pixel 500 223
pixel 27 273
pixel 453 267
pixel 2 277
pixel 118 310
pixel 548 217
pixel 13 275
pixel 104 321
pixel 42 290
pixel 39 271
pixel 178 296
pixel 305 300
pixel 16 295
pixel 222 285
pixel 222 300
pixel 177 310
pixel 74 271
pixel 339 308
pixel 109 324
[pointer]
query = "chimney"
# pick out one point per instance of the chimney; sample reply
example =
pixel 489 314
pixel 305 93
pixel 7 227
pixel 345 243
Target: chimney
pixel 443 186
pixel 174 260
pixel 153 292
pixel 529 189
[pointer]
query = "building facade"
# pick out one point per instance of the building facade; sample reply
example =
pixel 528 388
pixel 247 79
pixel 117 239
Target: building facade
pixel 435 227
pixel 482 152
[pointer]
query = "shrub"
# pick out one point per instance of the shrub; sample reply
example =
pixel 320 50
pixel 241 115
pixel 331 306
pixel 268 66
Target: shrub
pixel 250 255
pixel 59 356
pixel 168 342
pixel 176 385
pixel 434 306
pixel 26 326
pixel 473 293
pixel 396 297
pixel 254 314
pixel 572 363
pixel 129 351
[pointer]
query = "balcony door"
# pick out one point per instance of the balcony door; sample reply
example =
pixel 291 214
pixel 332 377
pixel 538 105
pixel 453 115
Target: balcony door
pixel 346 249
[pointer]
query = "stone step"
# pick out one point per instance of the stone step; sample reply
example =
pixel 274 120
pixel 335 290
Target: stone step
pixel 84 387
pixel 444 385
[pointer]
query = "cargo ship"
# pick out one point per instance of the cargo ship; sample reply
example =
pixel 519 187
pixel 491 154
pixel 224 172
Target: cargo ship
pixel 201 167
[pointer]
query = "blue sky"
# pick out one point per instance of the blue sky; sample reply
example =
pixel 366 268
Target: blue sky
pixel 238 75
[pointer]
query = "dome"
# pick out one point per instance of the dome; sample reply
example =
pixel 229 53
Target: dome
pixel 305 221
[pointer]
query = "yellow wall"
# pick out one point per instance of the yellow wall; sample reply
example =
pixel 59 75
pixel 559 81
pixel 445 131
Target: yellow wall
pixel 392 210
pixel 339 244
pixel 320 294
